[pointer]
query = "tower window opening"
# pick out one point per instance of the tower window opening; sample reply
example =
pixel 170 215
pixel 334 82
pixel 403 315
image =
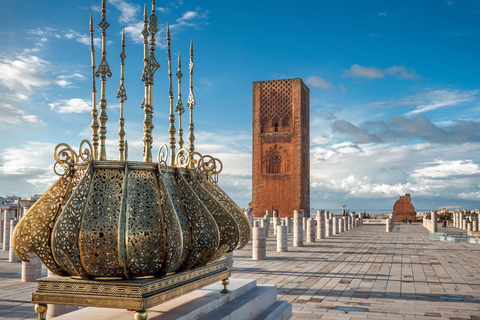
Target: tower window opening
pixel 276 126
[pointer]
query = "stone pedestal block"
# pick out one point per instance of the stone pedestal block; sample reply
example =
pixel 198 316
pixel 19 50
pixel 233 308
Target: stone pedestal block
pixel 388 225
pixel 475 225
pixel 282 239
pixel 259 243
pixel 298 228
pixel 345 224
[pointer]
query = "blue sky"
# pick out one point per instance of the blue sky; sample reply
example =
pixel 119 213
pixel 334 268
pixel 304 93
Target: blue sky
pixel 394 88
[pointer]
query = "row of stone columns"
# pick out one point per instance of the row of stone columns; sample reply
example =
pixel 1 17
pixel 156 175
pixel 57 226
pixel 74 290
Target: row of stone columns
pixel 325 225
pixel 431 224
pixel 462 222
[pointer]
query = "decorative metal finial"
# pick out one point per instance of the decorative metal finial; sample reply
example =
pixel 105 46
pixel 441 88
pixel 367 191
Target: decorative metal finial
pixel 191 102
pixel 171 118
pixel 103 71
pixel 122 95
pixel 94 124
pixel 149 70
pixel 179 107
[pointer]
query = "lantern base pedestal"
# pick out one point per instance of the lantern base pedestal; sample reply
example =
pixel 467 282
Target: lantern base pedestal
pixel 137 295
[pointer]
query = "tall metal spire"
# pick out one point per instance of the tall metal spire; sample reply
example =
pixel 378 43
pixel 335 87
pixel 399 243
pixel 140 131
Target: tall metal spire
pixel 122 95
pixel 103 71
pixel 149 70
pixel 191 101
pixel 179 107
pixel 94 124
pixel 171 118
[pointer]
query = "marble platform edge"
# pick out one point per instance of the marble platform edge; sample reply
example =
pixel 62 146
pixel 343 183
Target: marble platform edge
pixel 189 306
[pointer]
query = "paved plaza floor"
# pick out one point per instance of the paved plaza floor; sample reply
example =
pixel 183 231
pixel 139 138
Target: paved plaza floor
pixel 368 273
pixel 361 274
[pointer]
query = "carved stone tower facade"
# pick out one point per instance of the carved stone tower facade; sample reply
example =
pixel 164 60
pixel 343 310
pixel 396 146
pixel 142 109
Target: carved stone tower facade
pixel 281 147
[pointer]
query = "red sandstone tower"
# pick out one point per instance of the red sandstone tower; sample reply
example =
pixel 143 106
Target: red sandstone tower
pixel 281 147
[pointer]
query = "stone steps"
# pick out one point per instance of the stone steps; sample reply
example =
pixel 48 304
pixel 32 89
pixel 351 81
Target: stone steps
pixel 245 301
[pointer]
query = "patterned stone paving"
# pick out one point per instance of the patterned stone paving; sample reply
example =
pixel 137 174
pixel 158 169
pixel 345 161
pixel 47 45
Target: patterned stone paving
pixel 368 273
pixel 361 274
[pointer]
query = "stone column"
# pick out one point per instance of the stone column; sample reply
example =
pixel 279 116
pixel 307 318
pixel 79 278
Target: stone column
pixel 289 224
pixel 464 224
pixel 298 228
pixel 454 219
pixel 341 224
pixel 275 213
pixel 388 225
pixel 259 243
pixel 357 222
pixel 475 225
pixel 276 222
pixel 263 224
pixel 6 233
pixel 1 229
pixel 229 260
pixel 335 225
pixel 328 227
pixel 282 238
pixel 434 221
pixel 327 215
pixel 352 216
pixel 320 225
pixel 32 270
pixel 345 223
pixel 310 230
pixel 12 257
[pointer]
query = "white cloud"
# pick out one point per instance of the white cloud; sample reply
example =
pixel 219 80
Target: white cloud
pixel 12 115
pixel 26 72
pixel 402 72
pixel 318 82
pixel 434 99
pixel 357 71
pixel 341 171
pixel 444 169
pixel 83 38
pixel 74 105
pixel 129 11
pixel 134 31
pixel 63 80
pixel 190 19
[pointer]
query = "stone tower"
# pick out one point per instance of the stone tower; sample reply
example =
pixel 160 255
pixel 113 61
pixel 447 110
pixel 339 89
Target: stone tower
pixel 281 147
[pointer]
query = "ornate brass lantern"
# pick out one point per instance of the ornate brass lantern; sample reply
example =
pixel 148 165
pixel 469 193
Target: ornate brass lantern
pixel 119 219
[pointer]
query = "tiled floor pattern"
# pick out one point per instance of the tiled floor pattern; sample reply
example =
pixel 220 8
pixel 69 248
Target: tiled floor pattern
pixel 368 273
